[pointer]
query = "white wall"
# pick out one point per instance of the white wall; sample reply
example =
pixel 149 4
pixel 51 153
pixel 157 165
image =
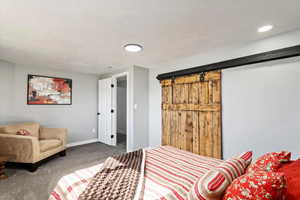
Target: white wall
pixel 80 118
pixel 121 106
pixel 280 41
pixel 141 107
pixel 6 96
pixel 261 108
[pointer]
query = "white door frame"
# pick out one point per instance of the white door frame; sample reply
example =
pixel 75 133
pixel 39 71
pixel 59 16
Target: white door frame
pixel 114 106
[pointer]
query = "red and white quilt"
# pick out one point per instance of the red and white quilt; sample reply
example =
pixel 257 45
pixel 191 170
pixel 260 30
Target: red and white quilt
pixel 169 174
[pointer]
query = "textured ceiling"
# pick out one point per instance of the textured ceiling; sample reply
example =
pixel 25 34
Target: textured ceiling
pixel 88 35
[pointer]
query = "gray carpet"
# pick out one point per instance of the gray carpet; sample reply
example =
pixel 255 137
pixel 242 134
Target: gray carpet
pixel 23 185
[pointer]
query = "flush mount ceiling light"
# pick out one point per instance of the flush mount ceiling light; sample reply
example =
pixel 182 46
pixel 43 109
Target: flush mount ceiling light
pixel 264 28
pixel 133 48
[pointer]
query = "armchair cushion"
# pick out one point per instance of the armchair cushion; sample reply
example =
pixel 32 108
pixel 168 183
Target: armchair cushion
pixel 54 133
pixel 31 127
pixel 46 145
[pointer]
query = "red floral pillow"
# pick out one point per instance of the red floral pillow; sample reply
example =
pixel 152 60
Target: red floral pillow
pixel 23 132
pixel 260 185
pixel 270 161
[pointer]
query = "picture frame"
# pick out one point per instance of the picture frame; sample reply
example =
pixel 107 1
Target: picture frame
pixel 48 90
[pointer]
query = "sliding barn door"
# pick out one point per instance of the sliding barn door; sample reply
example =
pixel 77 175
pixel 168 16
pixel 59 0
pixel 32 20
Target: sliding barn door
pixel 191 113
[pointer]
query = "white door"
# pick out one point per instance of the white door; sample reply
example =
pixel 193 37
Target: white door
pixel 105 126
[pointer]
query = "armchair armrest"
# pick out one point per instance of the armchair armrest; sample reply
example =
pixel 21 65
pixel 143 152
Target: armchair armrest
pixel 54 133
pixel 24 149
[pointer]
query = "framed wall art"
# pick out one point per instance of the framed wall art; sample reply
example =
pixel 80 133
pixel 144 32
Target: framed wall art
pixel 46 90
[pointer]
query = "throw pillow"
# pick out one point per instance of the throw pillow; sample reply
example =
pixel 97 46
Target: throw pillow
pixel 270 161
pixel 247 156
pixel 23 132
pixel 260 185
pixel 213 184
pixel 291 172
pixel 233 168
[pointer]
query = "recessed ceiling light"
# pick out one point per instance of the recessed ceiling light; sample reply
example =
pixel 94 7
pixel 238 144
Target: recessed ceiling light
pixel 264 28
pixel 133 48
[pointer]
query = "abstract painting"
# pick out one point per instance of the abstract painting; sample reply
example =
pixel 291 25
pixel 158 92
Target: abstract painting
pixel 45 90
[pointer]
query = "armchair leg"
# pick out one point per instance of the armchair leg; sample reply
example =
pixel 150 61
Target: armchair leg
pixel 62 153
pixel 33 167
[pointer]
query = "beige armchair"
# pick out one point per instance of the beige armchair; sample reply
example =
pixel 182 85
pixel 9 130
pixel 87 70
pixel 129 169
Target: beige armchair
pixel 41 144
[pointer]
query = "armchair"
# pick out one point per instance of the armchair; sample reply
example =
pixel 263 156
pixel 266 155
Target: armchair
pixel 32 150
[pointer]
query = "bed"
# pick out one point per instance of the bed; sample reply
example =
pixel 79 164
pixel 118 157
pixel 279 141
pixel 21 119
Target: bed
pixel 169 174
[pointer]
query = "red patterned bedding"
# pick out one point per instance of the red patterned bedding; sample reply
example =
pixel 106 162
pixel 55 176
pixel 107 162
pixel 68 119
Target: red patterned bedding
pixel 169 174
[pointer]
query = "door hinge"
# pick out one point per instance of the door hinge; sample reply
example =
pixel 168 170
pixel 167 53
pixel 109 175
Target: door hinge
pixel 112 111
pixel 111 136
pixel 112 85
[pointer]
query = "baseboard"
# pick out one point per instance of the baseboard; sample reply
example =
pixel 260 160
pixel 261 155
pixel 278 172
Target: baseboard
pixel 82 142
pixel 150 147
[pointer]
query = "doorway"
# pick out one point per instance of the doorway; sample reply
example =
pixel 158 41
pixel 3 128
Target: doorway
pixel 113 111
pixel 121 110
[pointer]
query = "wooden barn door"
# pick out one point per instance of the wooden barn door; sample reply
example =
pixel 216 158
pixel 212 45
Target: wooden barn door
pixel 191 113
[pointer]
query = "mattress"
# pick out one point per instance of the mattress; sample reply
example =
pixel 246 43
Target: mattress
pixel 169 174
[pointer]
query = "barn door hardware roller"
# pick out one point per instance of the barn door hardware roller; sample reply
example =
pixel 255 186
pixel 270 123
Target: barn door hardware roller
pixel 173 80
pixel 202 76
